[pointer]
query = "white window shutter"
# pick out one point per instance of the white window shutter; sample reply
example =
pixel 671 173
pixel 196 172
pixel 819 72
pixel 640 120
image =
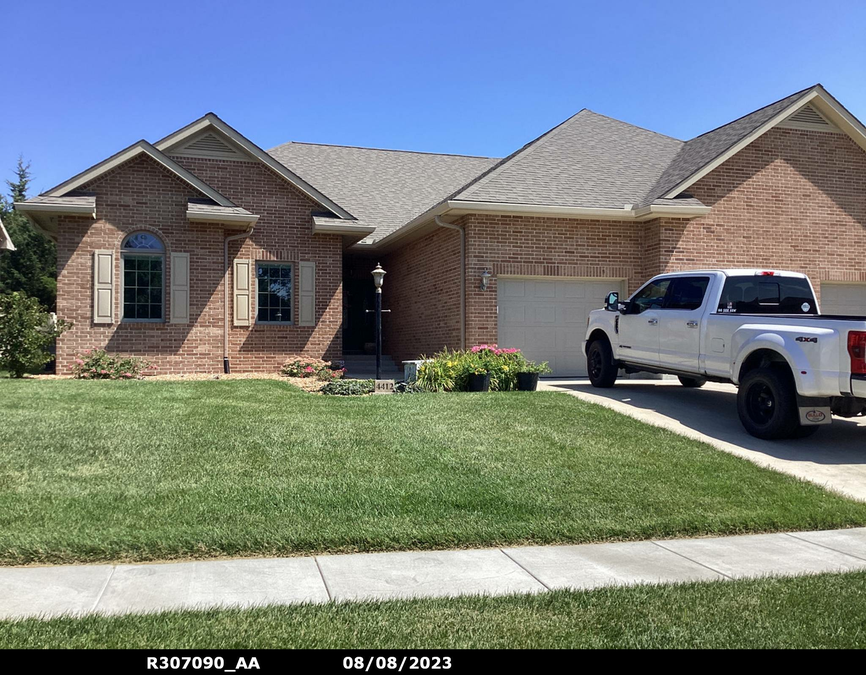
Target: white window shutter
pixel 179 288
pixel 103 287
pixel 242 295
pixel 307 294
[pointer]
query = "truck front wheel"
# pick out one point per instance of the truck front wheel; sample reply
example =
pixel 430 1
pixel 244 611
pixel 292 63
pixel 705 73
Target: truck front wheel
pixel 600 365
pixel 767 404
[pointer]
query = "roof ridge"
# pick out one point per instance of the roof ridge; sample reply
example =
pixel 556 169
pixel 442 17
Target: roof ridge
pixel 748 114
pixel 523 150
pixel 636 126
pixel 361 147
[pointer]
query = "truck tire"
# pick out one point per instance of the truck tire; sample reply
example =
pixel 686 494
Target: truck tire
pixel 692 382
pixel 599 364
pixel 767 404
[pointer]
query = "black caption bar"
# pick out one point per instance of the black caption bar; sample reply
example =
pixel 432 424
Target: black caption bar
pixel 353 662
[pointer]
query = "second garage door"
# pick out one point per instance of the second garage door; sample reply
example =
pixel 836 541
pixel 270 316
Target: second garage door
pixel 546 318
pixel 843 299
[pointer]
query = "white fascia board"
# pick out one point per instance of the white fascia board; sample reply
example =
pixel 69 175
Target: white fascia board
pixel 831 109
pixel 626 213
pixel 142 147
pixel 60 209
pixel 657 211
pixel 225 219
pixel 211 120
pixel 342 228
pixel 734 149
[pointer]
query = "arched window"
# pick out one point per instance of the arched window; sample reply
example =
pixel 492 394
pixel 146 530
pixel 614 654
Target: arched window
pixel 143 256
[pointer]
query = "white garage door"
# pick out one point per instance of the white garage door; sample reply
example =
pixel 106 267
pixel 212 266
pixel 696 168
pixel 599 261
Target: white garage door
pixel 846 299
pixel 546 318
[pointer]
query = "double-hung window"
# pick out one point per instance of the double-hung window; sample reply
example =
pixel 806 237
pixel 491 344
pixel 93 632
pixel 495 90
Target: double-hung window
pixel 143 257
pixel 274 293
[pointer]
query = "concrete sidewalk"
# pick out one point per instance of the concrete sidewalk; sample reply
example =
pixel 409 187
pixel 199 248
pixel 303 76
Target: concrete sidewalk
pixel 127 589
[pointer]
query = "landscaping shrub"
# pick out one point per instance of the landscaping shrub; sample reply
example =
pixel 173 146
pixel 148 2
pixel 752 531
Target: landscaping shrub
pixel 26 333
pixel 299 366
pixel 97 364
pixel 450 370
pixel 348 388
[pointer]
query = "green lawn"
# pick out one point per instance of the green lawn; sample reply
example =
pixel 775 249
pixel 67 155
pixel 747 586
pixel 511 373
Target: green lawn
pixel 804 612
pixel 95 471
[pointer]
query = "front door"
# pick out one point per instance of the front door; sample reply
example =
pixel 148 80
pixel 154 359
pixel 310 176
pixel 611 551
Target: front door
pixel 359 326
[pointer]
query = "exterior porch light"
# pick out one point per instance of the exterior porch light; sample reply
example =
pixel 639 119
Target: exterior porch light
pixel 485 279
pixel 378 278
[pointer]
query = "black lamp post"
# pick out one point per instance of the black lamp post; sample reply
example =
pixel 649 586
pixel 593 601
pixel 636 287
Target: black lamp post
pixel 378 278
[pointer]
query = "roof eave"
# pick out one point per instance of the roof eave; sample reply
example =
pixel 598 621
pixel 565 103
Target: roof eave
pixel 818 97
pixel 240 220
pixel 125 155
pixel 211 120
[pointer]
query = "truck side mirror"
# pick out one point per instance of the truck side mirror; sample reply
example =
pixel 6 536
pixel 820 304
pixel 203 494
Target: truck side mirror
pixel 611 302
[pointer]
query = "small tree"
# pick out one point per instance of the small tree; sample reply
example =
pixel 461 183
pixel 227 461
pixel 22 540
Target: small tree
pixel 26 333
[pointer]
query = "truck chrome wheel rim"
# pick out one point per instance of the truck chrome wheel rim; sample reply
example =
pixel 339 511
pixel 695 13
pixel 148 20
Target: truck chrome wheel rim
pixel 760 403
pixel 595 363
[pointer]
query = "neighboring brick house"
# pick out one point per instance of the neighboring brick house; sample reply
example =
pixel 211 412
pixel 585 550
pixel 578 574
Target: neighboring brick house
pixel 203 248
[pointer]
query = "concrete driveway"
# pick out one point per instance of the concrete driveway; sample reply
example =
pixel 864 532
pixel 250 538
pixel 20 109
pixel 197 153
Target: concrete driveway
pixel 835 457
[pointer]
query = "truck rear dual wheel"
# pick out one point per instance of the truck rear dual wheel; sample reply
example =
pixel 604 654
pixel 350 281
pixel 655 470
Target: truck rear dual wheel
pixel 767 405
pixel 600 364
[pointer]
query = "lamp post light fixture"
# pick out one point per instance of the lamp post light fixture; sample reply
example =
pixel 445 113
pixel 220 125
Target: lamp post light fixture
pixel 485 279
pixel 378 278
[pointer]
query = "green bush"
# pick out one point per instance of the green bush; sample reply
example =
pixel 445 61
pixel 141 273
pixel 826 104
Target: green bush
pixel 348 388
pixel 97 364
pixel 26 333
pixel 450 370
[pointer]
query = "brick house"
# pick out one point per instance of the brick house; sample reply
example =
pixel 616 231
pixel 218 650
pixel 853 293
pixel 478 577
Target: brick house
pixel 203 249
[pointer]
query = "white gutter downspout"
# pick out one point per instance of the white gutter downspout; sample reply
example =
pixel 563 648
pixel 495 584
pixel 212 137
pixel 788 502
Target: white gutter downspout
pixel 442 223
pixel 234 237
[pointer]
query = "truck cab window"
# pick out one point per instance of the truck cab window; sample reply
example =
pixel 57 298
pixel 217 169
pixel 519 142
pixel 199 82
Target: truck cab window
pixel 651 296
pixel 686 293
pixel 762 295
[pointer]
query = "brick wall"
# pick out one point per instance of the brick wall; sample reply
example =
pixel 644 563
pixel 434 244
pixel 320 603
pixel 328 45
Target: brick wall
pixel 533 246
pixel 142 195
pixel 792 199
pixel 422 290
pixel 283 232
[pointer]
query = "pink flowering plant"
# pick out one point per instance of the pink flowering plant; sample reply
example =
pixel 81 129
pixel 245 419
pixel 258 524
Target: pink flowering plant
pixel 449 370
pixel 301 366
pixel 97 364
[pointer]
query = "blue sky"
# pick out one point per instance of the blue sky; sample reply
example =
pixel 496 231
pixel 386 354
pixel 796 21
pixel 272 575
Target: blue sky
pixel 86 79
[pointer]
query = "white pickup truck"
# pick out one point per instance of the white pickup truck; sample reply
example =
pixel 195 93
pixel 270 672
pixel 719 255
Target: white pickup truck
pixel 760 330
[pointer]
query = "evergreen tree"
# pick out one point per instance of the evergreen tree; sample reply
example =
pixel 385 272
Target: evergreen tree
pixel 32 267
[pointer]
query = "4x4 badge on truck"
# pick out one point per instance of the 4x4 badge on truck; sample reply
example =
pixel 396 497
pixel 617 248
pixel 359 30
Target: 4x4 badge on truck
pixel 807 339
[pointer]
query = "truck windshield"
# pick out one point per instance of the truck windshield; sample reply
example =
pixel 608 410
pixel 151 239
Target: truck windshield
pixel 767 295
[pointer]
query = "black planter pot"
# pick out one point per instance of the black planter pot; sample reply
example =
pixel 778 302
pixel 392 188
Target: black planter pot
pixel 527 381
pixel 479 382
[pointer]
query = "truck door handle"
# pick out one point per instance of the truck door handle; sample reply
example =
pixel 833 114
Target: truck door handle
pixel 652 322
pixel 692 324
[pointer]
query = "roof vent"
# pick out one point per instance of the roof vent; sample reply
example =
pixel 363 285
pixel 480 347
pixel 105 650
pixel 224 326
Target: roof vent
pixel 810 119
pixel 211 146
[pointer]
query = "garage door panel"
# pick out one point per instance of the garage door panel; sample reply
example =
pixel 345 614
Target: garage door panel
pixel 546 318
pixel 843 299
pixel 512 288
pixel 513 314
pixel 544 289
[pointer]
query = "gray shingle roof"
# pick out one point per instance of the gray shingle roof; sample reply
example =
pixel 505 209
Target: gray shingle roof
pixel 703 149
pixel 384 188
pixel 588 161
